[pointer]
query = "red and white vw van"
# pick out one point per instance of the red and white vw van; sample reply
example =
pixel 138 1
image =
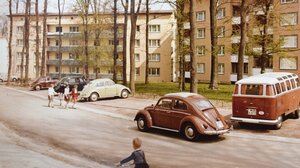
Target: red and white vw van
pixel 266 98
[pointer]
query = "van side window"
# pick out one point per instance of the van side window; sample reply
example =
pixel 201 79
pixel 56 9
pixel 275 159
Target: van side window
pixel 297 82
pixel 288 85
pixel 278 88
pixel 293 83
pixel 283 86
pixel 236 89
pixel 252 89
pixel 270 90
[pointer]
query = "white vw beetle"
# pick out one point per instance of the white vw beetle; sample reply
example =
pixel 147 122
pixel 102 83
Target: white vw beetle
pixel 102 88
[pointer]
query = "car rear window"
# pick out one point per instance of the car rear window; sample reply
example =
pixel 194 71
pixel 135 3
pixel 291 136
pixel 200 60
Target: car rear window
pixel 204 104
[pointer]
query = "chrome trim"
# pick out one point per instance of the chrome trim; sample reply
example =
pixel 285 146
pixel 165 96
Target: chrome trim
pixel 167 129
pixel 217 132
pixel 255 121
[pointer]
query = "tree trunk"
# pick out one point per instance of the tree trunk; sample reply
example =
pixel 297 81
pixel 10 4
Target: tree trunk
pixel 179 45
pixel 240 68
pixel 9 43
pixel 59 41
pixel 86 40
pixel 133 17
pixel 37 39
pixel 194 82
pixel 17 6
pixel 147 43
pixel 115 42
pixel 43 67
pixel 214 56
pixel 125 42
pixel 264 54
pixel 27 27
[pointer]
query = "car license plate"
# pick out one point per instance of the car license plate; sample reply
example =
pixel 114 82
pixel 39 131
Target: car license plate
pixel 251 111
pixel 220 124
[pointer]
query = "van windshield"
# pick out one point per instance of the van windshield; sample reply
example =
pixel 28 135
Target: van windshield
pixel 251 89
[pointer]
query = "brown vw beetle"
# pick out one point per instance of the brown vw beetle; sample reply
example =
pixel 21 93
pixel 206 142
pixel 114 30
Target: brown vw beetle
pixel 188 113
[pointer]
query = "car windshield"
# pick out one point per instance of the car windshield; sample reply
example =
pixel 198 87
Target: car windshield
pixel 203 104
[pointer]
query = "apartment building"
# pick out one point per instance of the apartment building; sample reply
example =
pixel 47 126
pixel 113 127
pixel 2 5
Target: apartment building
pixel 100 47
pixel 284 28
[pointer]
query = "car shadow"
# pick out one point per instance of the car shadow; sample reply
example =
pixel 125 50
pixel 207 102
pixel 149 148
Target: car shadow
pixel 101 99
pixel 178 136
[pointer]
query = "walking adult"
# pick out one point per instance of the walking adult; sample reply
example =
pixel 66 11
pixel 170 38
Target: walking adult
pixel 51 94
pixel 67 95
pixel 74 95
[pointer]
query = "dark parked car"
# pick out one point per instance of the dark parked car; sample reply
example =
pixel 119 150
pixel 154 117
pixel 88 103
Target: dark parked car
pixel 187 113
pixel 42 82
pixel 71 80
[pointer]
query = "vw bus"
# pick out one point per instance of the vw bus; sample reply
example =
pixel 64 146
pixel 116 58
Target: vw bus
pixel 266 98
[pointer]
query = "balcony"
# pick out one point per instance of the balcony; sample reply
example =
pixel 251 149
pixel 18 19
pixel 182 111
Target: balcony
pixel 72 35
pixel 62 49
pixel 186 25
pixel 63 62
pixel 258 31
pixel 234 58
pixel 237 20
pixel 233 77
pixel 235 39
pixel 256 71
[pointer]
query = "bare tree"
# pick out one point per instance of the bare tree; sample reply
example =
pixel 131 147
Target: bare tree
pixel 37 40
pixel 243 14
pixel 133 16
pixel 59 39
pixel 194 82
pixel 214 57
pixel 26 40
pixel 125 6
pixel 43 67
pixel 147 43
pixel 9 42
pixel 115 42
pixel 17 5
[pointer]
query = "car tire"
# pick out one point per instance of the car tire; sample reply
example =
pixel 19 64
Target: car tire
pixel 38 87
pixel 94 97
pixel 124 94
pixel 279 124
pixel 189 131
pixel 14 79
pixel 142 123
pixel 297 113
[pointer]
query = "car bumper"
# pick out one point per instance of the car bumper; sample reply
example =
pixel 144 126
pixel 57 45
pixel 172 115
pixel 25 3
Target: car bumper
pixel 255 121
pixel 216 132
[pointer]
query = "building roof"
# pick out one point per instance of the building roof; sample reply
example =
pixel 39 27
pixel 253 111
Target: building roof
pixel 267 78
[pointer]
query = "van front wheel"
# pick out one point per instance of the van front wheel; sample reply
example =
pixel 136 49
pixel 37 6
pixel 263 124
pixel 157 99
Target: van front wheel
pixel 279 123
pixel 297 113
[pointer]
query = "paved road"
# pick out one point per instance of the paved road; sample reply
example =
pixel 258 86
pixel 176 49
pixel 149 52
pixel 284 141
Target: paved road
pixel 91 136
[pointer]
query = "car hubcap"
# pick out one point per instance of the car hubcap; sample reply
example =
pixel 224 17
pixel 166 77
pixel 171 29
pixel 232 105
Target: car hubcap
pixel 94 97
pixel 189 132
pixel 141 124
pixel 124 94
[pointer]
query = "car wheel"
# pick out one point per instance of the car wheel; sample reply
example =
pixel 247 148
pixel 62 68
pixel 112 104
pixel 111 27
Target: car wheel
pixel 94 97
pixel 14 79
pixel 124 94
pixel 142 123
pixel 297 113
pixel 190 132
pixel 37 87
pixel 279 124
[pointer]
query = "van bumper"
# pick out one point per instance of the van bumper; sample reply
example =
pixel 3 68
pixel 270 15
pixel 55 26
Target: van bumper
pixel 255 121
pixel 216 132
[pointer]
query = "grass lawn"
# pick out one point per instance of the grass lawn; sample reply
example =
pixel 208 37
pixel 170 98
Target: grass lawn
pixel 223 93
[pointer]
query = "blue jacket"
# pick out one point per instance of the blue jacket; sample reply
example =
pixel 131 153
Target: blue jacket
pixel 137 156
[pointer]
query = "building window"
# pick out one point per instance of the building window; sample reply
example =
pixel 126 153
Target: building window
pixel 290 41
pixel 73 69
pixel 288 63
pixel 221 69
pixel 154 43
pixel 56 42
pixel 221 13
pixel 73 56
pixel 137 71
pixel 137 57
pixel 221 50
pixel 97 42
pixel 111 42
pixel 19 42
pixel 154 28
pixel 200 50
pixel 58 29
pixel 200 16
pixel 201 33
pixel 74 42
pixel 200 67
pixel 56 68
pixel 288 1
pixel 137 43
pixel 154 71
pixel 138 28
pixel 57 56
pixel 20 29
pixel 155 57
pixel 221 31
pixel 74 29
pixel 234 68
pixel 19 55
pixel 287 19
